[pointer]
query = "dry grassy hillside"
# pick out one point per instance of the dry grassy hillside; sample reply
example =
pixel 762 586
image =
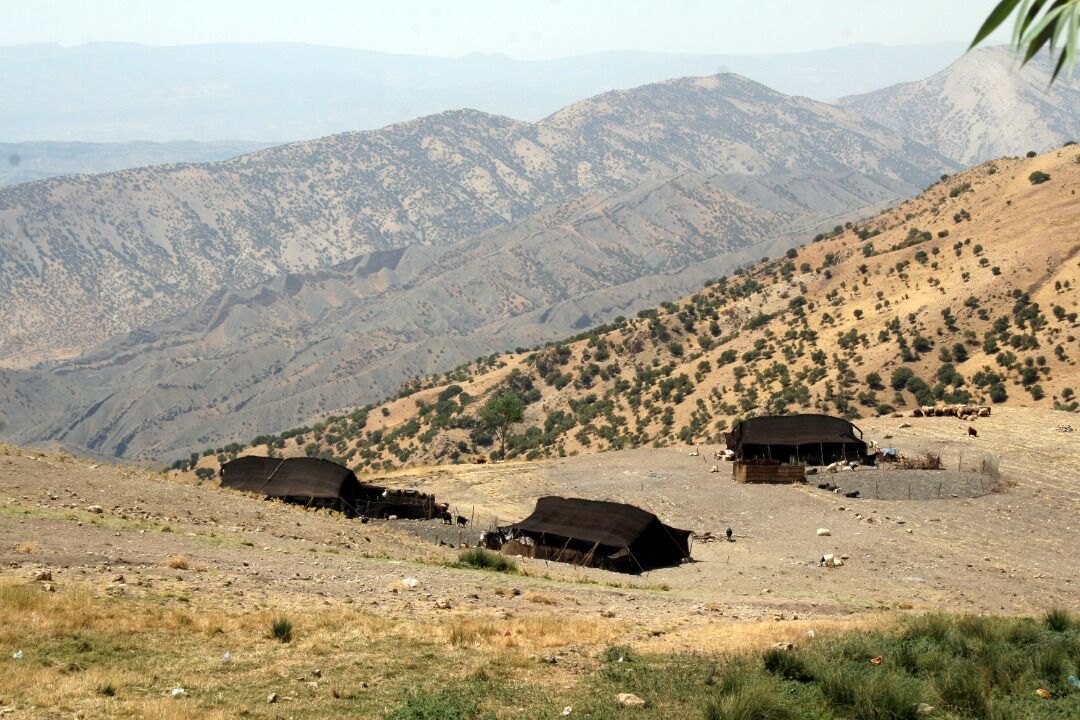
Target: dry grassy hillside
pixel 967 292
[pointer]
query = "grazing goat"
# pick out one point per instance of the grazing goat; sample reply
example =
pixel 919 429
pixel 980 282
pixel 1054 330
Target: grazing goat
pixel 972 432
pixel 462 521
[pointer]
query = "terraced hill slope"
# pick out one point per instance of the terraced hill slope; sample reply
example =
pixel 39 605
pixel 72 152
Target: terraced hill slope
pixel 967 292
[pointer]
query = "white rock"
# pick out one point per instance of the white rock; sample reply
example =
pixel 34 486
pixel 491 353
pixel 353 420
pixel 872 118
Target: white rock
pixel 824 532
pixel 410 582
pixel 567 710
pixel 271 698
pixel 629 700
pixel 178 692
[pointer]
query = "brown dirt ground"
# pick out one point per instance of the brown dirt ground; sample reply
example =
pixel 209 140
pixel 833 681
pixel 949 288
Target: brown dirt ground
pixel 1006 551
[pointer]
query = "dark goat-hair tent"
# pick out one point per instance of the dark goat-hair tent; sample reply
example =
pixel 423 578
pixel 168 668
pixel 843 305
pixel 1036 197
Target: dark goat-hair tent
pixel 314 482
pixel 601 534
pixel 815 439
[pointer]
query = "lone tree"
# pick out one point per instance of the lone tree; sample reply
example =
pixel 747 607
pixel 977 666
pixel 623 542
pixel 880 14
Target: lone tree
pixel 500 413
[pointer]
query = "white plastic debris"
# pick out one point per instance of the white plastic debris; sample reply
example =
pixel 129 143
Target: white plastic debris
pixel 178 692
pixel 17 655
pixel 226 658
pixel 824 532
pixel 410 582
pixel 810 633
pixel 567 710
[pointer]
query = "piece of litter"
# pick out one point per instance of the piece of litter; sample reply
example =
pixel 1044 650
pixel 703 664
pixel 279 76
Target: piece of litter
pixel 178 692
pixel 824 532
pixel 567 710
pixel 810 633
pixel 226 658
pixel 1043 693
pixel 876 660
pixel 410 582
pixel 17 655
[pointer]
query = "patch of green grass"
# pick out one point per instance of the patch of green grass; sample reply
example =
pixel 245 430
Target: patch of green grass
pixel 486 560
pixel 461 702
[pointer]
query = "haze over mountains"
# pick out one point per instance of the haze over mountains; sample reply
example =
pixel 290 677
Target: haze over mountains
pixel 27 161
pixel 116 92
pixel 212 302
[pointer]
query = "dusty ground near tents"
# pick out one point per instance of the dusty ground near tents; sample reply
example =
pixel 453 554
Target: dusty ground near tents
pixel 122 534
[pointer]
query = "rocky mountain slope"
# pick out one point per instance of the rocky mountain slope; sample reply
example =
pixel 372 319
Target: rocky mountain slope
pixel 980 107
pixel 308 344
pixel 86 258
pixel 29 161
pixel 968 293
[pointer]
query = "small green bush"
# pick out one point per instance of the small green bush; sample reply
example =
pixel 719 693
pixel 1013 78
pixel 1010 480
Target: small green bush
pixel 788 665
pixel 1038 177
pixel 1058 620
pixel 281 629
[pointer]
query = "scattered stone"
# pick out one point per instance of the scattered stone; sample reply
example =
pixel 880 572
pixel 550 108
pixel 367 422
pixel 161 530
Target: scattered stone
pixel 271 698
pixel 629 700
pixel 96 509
pixel 410 582
pixel 43 575
pixel 824 532
pixel 316 673
pixel 178 692
pixel 783 646
pixel 924 709
pixel 607 613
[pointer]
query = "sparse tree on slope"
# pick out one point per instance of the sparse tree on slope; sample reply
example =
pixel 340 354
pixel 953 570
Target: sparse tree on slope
pixel 500 413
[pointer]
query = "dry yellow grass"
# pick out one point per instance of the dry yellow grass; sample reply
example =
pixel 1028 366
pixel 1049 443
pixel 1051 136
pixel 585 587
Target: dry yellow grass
pixel 28 547
pixel 178 562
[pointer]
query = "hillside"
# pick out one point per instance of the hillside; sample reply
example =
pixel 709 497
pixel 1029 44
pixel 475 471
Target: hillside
pixel 29 161
pixel 310 344
pixel 967 292
pixel 980 107
pixel 86 258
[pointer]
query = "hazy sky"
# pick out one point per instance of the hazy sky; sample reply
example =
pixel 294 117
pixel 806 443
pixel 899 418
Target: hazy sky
pixel 527 29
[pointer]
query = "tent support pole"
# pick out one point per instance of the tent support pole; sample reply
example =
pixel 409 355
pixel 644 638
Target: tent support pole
pixel 556 558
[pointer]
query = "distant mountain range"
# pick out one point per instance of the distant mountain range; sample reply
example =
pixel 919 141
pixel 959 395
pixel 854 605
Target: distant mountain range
pixel 115 92
pixel 27 161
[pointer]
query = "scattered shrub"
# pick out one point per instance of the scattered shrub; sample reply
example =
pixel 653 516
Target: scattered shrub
pixel 281 629
pixel 486 560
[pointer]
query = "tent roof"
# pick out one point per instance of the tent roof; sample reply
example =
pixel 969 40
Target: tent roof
pixel 297 477
pixel 794 430
pixel 597 521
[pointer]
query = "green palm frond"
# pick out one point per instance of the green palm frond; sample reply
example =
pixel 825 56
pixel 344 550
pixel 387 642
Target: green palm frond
pixel 1039 23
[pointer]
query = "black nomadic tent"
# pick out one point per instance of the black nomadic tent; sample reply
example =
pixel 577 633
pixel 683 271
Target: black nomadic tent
pixel 313 482
pixel 601 534
pixel 795 439
pixel 307 481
